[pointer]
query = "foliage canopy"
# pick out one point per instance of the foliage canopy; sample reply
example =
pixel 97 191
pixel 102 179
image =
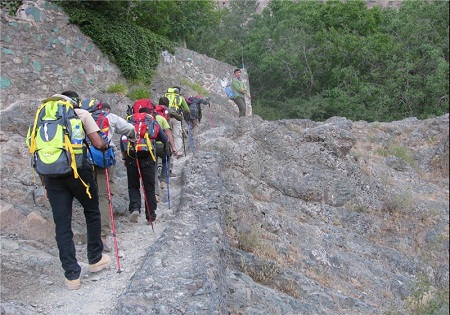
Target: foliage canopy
pixel 308 59
pixel 305 59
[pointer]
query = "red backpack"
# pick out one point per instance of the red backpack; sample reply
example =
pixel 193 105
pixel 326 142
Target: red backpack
pixel 162 110
pixel 95 107
pixel 147 130
pixel 142 103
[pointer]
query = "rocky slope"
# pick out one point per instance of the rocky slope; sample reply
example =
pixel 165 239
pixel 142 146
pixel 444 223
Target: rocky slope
pixel 267 217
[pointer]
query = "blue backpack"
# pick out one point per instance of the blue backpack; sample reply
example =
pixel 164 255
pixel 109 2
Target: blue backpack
pixel 102 159
pixel 229 92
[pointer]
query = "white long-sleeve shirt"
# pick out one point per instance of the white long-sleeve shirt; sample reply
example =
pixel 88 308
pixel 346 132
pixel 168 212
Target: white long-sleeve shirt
pixel 120 126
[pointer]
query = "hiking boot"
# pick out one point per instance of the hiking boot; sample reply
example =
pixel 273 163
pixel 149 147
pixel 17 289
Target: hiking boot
pixel 162 185
pixel 103 263
pixel 72 284
pixel 134 216
pixel 106 244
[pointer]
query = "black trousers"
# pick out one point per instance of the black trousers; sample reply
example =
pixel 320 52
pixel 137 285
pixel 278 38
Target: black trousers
pixel 145 168
pixel 60 192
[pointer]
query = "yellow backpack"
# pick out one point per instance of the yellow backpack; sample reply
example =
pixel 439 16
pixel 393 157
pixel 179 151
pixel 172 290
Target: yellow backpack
pixel 55 139
pixel 173 95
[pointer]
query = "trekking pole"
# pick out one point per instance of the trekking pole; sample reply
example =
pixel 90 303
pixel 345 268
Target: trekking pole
pixel 147 208
pixel 167 180
pixel 182 137
pixel 111 215
pixel 211 123
pixel 191 138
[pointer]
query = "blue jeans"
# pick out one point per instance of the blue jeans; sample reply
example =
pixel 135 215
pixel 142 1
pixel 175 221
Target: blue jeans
pixel 61 191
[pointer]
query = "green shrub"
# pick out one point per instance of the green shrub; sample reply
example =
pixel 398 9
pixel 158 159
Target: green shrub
pixel 118 88
pixel 196 87
pixel 139 93
pixel 428 299
pixel 134 49
pixel 398 151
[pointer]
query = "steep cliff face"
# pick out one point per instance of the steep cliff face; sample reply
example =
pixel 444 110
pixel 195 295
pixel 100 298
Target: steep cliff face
pixel 265 217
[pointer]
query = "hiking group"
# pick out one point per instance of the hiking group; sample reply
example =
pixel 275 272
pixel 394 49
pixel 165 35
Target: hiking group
pixel 72 148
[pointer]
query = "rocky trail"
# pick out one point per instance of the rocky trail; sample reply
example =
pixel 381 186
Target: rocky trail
pixel 99 292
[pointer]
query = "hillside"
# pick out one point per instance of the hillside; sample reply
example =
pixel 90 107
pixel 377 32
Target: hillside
pixel 265 217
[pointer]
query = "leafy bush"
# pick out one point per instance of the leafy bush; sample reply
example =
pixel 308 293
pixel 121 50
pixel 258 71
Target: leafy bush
pixel 134 49
pixel 139 93
pixel 10 6
pixel 118 88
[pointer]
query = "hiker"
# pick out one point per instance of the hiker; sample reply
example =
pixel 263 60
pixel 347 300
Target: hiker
pixel 195 112
pixel 162 150
pixel 62 190
pixel 178 104
pixel 239 92
pixel 140 163
pixel 120 126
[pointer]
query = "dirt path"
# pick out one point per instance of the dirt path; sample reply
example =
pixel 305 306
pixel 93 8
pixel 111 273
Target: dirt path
pixel 99 291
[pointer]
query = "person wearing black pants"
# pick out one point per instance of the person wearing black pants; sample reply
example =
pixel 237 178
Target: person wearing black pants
pixel 62 190
pixel 145 167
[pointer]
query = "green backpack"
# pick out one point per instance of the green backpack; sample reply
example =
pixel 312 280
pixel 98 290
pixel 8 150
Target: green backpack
pixel 173 95
pixel 55 139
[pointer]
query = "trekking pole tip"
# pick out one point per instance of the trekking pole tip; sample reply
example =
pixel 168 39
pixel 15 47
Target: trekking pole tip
pixel 119 270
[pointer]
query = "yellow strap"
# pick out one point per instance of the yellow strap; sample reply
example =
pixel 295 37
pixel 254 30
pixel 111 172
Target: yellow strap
pixel 73 163
pixel 128 150
pixel 149 145
pixel 33 131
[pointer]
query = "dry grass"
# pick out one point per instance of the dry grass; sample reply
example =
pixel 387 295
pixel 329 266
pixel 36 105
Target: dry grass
pixel 319 275
pixel 263 272
pixel 289 287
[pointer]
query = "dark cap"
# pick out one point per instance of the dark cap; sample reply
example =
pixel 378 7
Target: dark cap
pixel 73 95
pixel 106 105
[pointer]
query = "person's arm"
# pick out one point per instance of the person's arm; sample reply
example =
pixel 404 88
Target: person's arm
pixel 184 105
pixel 91 129
pixel 162 136
pixel 200 110
pixel 97 141
pixel 121 126
pixel 174 114
pixel 171 142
